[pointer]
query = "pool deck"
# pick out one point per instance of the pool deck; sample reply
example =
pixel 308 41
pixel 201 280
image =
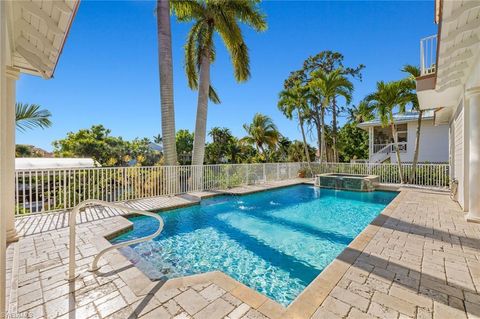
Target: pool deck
pixel 418 259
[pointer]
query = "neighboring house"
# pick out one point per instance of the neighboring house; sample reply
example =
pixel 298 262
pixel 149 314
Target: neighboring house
pixel 156 147
pixel 39 163
pixel 450 83
pixel 433 139
pixel 32 200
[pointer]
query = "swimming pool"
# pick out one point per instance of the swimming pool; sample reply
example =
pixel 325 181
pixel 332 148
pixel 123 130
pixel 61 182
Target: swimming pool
pixel 275 241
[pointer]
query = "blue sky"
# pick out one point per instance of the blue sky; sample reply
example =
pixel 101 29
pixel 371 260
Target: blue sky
pixel 108 71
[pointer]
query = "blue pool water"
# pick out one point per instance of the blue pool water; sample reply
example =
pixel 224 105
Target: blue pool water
pixel 276 242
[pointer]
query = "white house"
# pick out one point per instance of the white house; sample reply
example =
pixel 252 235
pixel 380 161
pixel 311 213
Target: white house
pixel 25 163
pixel 433 146
pixel 450 83
pixel 32 36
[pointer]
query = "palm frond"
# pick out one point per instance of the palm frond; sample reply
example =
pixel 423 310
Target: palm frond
pixel 29 116
pixel 213 96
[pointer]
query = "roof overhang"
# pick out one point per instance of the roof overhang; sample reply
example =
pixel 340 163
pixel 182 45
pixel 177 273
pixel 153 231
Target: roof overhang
pixel 37 31
pixel 442 115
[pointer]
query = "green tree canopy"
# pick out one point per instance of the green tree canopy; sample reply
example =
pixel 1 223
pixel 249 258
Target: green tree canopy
pixel 352 142
pixel 97 143
pixel 262 133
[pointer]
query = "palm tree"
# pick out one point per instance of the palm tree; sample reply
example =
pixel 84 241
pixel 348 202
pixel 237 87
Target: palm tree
pixel 329 85
pixel 262 133
pixel 292 101
pixel 209 17
pixel 410 84
pixel 361 113
pixel 387 97
pixel 29 116
pixel 166 81
pixel 221 135
pixel 158 139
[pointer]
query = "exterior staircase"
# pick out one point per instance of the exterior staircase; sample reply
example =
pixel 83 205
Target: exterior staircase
pixel 385 152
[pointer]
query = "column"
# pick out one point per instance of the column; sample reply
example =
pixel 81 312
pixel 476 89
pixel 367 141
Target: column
pixel 370 142
pixel 9 150
pixel 3 102
pixel 474 155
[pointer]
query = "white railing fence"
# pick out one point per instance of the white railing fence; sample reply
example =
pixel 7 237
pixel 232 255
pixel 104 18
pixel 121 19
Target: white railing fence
pixel 428 55
pixel 433 175
pixel 58 189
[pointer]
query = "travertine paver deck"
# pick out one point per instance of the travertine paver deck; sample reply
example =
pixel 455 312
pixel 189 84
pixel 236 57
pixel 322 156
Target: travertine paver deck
pixel 418 260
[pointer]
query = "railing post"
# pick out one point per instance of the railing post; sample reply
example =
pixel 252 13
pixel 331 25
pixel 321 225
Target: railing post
pixel 71 246
pixel 64 189
pixel 228 175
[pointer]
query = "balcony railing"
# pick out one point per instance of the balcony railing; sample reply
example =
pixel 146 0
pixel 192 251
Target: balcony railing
pixel 428 55
pixel 389 148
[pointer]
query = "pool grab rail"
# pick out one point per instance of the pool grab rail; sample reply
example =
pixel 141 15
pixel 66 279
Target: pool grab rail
pixel 95 202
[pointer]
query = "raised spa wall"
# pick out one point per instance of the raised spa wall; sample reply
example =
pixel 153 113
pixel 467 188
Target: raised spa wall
pixel 353 182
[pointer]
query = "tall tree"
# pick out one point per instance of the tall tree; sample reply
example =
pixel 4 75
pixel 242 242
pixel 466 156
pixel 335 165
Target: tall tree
pixel 330 85
pixel 385 100
pixel 29 116
pixel 329 61
pixel 410 84
pixel 294 101
pixel 166 81
pixel 210 17
pixel 262 133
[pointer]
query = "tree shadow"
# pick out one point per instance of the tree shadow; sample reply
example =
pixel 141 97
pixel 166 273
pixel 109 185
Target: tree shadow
pixel 434 288
pixel 145 300
pixel 432 233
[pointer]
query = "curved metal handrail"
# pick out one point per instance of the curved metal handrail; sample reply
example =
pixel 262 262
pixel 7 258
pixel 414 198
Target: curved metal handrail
pixel 90 202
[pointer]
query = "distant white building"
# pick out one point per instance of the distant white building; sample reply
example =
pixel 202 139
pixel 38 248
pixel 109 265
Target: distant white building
pixel 433 139
pixel 48 163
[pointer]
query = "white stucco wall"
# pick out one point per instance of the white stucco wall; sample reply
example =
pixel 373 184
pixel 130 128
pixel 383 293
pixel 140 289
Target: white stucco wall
pixel 433 143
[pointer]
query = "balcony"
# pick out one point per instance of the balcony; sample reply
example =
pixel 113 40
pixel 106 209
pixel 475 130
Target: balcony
pixel 428 64
pixel 428 97
pixel 428 55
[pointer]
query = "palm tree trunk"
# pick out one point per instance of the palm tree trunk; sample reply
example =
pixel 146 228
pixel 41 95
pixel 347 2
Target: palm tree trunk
pixel 166 81
pixel 202 110
pixel 417 147
pixel 322 137
pixel 397 151
pixel 318 124
pixel 305 145
pixel 262 151
pixel 334 129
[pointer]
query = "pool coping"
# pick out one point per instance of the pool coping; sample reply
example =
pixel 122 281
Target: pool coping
pixel 303 306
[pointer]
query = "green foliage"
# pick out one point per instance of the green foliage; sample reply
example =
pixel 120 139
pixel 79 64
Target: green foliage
pixel 296 152
pixel 262 133
pixel 23 150
pixel 387 97
pixel 184 143
pixel 353 143
pixel 29 116
pixel 107 150
pixel 221 17
pixel 219 150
